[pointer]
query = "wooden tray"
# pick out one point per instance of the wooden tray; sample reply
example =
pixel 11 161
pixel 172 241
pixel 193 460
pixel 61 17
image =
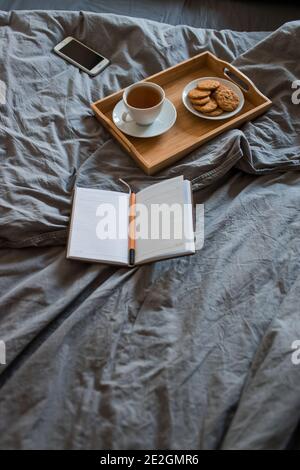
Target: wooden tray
pixel 189 132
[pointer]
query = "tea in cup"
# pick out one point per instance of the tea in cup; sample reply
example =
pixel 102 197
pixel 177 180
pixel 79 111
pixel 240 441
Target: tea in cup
pixel 143 102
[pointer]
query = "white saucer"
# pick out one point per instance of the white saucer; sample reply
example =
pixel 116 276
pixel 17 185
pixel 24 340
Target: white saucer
pixel 162 123
pixel 225 115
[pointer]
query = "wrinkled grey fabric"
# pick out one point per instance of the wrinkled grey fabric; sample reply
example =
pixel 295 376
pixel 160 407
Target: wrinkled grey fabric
pixel 252 15
pixel 190 353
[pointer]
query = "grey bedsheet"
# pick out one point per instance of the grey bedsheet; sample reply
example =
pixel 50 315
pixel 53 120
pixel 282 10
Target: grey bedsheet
pixel 251 15
pixel 186 353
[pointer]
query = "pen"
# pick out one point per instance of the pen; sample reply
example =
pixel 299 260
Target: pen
pixel 131 237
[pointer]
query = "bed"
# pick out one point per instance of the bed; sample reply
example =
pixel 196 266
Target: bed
pixel 190 353
pixel 237 15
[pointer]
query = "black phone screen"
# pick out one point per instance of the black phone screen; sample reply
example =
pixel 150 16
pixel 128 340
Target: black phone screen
pixel 81 54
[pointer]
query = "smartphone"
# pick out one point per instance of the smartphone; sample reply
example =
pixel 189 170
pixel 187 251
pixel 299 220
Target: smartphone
pixel 82 56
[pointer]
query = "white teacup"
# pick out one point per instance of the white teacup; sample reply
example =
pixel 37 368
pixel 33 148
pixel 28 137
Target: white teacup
pixel 143 102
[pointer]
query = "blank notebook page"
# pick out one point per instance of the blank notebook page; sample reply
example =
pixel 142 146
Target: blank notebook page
pixel 170 192
pixel 88 238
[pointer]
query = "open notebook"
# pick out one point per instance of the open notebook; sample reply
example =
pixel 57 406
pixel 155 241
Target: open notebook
pixel 163 222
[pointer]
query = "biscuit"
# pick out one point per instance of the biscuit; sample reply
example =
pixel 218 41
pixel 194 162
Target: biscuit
pixel 200 102
pixel 198 94
pixel 208 85
pixel 208 107
pixel 215 112
pixel 226 98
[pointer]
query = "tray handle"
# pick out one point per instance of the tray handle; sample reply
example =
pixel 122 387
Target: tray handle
pixel 238 78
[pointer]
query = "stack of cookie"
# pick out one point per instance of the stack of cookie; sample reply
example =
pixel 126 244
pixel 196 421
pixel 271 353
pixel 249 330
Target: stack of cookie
pixel 213 98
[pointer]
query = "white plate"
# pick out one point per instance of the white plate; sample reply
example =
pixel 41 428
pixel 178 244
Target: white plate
pixel 162 123
pixel 225 115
